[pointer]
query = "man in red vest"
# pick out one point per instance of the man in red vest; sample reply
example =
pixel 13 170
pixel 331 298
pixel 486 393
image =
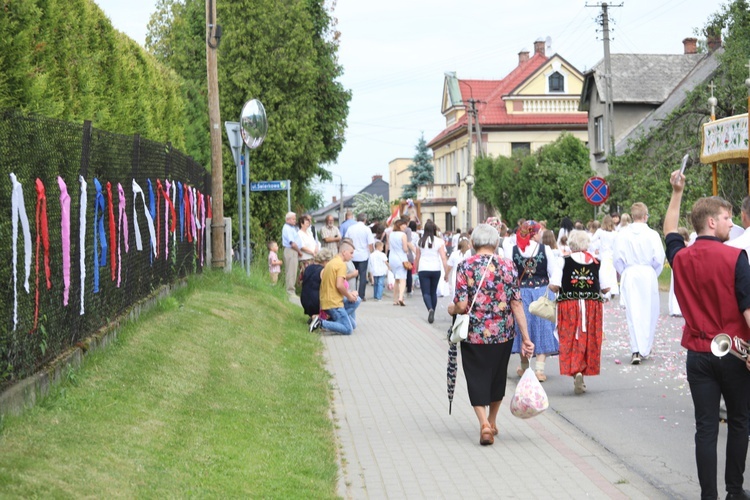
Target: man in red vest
pixel 712 285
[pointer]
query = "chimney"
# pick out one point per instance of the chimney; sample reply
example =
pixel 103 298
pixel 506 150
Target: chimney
pixel 713 42
pixel 690 45
pixel 376 177
pixel 334 200
pixel 523 56
pixel 539 47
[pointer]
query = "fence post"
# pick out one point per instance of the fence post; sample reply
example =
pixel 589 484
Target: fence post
pixel 86 148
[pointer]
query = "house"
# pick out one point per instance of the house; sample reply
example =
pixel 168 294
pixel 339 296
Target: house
pixel 645 89
pixel 399 176
pixel 339 206
pixel 528 108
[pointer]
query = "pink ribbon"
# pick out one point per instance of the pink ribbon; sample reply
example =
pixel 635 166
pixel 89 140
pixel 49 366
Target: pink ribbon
pixel 122 223
pixel 65 228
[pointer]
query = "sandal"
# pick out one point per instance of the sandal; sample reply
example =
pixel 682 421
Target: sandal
pixel 486 436
pixel 540 376
pixel 401 303
pixel 520 370
pixel 494 429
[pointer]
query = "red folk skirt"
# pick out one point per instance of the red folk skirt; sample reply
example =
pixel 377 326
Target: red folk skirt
pixel 579 351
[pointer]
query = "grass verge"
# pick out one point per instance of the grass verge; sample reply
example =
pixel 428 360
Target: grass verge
pixel 219 390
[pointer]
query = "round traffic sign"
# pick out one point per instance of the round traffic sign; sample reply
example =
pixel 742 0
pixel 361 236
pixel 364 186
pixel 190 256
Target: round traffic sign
pixel 596 191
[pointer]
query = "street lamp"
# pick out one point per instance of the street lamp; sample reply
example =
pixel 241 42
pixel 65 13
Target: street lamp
pixel 469 180
pixel 454 212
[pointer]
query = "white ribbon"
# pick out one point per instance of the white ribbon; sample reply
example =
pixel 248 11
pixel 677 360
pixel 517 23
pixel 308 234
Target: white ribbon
pixel 18 209
pixel 152 234
pixel 82 238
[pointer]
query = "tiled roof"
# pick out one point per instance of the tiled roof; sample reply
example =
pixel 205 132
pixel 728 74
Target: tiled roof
pixel 491 107
pixel 644 78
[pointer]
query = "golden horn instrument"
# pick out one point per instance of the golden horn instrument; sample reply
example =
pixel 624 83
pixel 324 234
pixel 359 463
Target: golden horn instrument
pixel 723 344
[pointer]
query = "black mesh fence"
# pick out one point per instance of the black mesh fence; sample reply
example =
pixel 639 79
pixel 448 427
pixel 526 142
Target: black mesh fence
pixel 38 150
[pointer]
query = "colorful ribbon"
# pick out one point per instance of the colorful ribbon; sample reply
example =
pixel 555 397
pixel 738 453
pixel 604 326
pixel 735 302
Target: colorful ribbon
pixel 42 237
pixel 100 237
pixel 18 211
pixel 122 227
pixel 112 231
pixel 65 228
pixel 152 211
pixel 82 239
pixel 149 220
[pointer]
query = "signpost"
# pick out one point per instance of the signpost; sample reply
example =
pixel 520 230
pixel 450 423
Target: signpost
pixel 596 191
pixel 275 186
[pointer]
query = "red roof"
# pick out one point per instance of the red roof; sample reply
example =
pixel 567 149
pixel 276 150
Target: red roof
pixel 491 107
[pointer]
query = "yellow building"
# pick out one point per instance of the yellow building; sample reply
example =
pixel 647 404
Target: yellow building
pixel 398 177
pixel 527 109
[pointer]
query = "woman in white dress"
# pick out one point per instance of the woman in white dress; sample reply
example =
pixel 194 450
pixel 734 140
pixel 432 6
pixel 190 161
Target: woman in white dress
pixel 462 252
pixel 399 246
pixel 603 242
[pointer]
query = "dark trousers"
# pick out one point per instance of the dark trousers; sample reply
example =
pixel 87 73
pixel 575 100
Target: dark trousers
pixel 409 281
pixel 710 378
pixel 428 282
pixel 362 277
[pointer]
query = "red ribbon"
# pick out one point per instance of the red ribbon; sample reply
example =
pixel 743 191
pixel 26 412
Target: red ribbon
pixel 42 237
pixel 112 233
pixel 188 213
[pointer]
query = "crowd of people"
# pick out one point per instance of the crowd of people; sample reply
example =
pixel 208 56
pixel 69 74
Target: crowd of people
pixel 494 274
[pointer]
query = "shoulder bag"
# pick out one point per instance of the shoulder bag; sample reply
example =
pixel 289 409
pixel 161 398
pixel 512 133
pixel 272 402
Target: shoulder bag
pixel 460 329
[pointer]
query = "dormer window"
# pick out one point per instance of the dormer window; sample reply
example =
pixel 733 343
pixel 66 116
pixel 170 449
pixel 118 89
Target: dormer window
pixel 556 82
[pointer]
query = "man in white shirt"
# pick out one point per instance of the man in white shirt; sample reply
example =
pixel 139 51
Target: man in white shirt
pixel 639 258
pixel 364 242
pixel 743 239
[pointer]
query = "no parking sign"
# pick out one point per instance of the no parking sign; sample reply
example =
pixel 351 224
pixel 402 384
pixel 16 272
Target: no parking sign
pixel 596 191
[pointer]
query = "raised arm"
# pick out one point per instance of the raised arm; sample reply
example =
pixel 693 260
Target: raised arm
pixel 672 218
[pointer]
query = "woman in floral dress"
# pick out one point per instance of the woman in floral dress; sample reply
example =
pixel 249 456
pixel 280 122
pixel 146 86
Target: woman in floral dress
pixel 581 286
pixel 497 310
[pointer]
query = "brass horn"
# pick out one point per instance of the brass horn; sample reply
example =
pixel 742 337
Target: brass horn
pixel 723 344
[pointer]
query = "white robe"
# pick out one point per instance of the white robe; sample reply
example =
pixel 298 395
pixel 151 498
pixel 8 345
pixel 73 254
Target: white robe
pixel 639 258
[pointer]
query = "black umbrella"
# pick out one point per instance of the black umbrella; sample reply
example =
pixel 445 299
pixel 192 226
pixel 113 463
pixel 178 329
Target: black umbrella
pixel 452 368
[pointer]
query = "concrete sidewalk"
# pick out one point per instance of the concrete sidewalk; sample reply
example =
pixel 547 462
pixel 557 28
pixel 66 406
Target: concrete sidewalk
pixel 397 439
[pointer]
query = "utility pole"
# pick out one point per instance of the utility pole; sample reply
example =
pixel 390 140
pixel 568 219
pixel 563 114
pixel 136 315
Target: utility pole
pixel 468 169
pixel 478 128
pixel 609 143
pixel 213 37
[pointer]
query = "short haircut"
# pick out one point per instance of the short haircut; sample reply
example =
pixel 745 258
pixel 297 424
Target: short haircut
pixel 746 205
pixel 485 235
pixel 270 244
pixel 379 245
pixel 638 211
pixel 324 255
pixel 290 214
pixel 705 208
pixel 578 241
pixel 361 217
pixel 345 243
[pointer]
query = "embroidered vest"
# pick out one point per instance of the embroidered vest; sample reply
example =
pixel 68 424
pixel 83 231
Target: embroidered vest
pixel 580 281
pixel 707 296
pixel 532 271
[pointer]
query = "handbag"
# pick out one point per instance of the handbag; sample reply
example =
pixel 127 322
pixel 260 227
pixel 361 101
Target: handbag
pixel 529 400
pixel 543 307
pixel 460 329
pixel 408 265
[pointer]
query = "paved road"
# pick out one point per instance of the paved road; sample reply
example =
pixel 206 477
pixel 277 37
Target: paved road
pixel 629 436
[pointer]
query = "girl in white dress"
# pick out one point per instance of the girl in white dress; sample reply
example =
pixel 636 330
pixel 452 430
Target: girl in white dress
pixel 603 241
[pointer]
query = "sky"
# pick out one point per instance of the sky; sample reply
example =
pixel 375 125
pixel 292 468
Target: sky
pixel 395 54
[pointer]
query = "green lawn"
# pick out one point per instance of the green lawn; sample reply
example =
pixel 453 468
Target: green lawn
pixel 219 391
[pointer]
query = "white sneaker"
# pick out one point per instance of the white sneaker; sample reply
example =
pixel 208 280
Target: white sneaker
pixel 578 386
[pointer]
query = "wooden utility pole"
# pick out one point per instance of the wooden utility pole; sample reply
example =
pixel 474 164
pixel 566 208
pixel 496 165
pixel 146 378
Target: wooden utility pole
pixel 213 36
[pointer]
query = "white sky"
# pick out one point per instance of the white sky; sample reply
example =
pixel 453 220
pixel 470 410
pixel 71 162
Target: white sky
pixel 395 53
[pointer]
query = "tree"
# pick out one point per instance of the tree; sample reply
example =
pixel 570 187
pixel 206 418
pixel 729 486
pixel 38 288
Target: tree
pixel 373 205
pixel 422 171
pixel 284 54
pixel 544 185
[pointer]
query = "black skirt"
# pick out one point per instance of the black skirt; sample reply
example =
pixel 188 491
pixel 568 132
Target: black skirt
pixel 486 371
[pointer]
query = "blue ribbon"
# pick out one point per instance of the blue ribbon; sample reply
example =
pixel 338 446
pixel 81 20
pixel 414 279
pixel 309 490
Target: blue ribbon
pixel 180 210
pixel 152 211
pixel 100 236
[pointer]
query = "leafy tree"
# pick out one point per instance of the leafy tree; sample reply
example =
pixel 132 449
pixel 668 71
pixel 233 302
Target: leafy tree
pixel 642 172
pixel 422 171
pixel 544 185
pixel 373 205
pixel 284 54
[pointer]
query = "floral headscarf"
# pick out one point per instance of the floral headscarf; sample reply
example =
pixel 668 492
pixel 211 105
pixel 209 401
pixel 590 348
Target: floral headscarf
pixel 524 234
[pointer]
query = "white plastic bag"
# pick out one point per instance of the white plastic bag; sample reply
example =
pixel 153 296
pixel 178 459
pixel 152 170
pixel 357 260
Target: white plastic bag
pixel 390 280
pixel 529 400
pixel 443 289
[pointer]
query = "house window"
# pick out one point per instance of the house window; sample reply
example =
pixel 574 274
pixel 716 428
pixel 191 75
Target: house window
pixel 520 148
pixel 556 82
pixel 598 134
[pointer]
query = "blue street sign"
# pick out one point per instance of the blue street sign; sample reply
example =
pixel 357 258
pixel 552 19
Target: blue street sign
pixel 269 186
pixel 596 191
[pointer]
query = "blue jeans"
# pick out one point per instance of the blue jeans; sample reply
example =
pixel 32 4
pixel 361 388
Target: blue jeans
pixel 342 319
pixel 710 378
pixel 428 282
pixel 378 286
pixel 361 267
